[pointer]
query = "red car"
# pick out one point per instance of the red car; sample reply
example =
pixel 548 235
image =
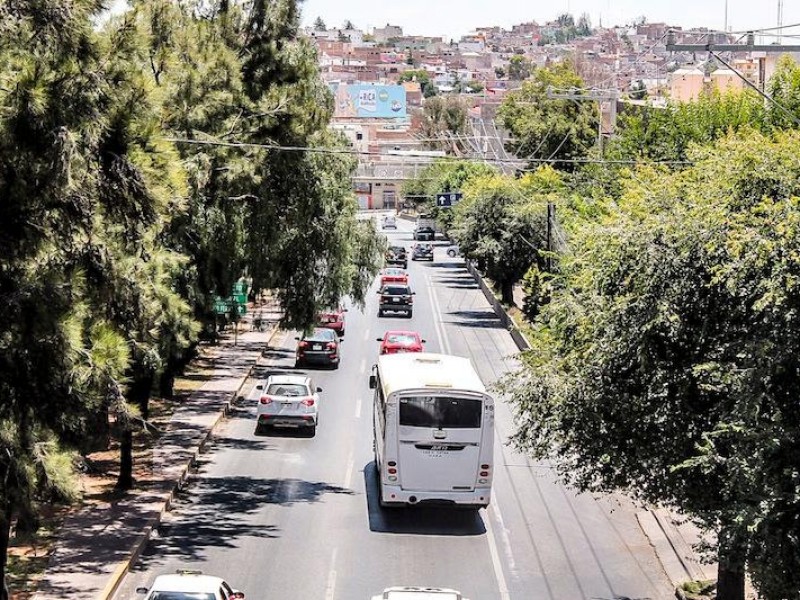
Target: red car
pixel 332 319
pixel 393 275
pixel 393 342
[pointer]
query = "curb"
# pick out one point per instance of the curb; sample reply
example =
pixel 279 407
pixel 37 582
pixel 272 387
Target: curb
pixel 124 566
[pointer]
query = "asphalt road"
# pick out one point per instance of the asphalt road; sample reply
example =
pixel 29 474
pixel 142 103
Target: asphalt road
pixel 290 517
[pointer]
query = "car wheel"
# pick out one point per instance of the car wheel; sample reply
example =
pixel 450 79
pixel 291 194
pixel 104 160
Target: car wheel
pixel 335 365
pixel 409 313
pixel 312 431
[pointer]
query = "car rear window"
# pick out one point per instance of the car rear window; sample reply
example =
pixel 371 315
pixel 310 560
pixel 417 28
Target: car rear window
pixel 440 412
pixel 182 596
pixel 287 389
pixel 401 338
pixel 396 290
pixel 321 335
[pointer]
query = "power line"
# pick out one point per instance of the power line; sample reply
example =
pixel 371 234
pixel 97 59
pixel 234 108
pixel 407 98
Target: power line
pixel 430 159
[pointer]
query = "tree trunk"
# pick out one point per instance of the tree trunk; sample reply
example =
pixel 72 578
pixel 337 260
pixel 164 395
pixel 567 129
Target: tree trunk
pixel 125 480
pixel 730 582
pixel 507 292
pixel 5 538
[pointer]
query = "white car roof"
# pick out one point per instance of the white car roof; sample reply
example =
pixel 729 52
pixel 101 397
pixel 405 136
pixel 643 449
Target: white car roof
pixel 418 593
pixel 187 582
pixel 291 378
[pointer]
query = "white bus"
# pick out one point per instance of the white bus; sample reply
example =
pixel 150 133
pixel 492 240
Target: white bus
pixel 434 431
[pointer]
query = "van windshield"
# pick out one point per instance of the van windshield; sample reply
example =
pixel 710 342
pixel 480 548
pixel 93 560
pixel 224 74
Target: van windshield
pixel 440 412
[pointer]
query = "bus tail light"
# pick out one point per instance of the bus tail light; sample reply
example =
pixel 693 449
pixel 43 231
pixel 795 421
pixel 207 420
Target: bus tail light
pixel 392 471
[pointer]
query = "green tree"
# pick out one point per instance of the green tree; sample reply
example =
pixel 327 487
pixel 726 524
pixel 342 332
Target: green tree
pixel 443 120
pixel 584 26
pixel 666 363
pixel 501 228
pixel 348 24
pixel 549 128
pixel 784 87
pixel 519 68
pixel 319 24
pixel 421 76
pixel 499 72
pixel 637 90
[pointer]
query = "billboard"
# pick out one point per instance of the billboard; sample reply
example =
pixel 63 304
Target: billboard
pixel 370 101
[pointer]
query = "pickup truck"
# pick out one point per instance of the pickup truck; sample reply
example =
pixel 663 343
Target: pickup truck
pixel 425 229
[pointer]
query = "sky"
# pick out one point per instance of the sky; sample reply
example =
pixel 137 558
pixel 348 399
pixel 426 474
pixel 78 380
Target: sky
pixel 453 18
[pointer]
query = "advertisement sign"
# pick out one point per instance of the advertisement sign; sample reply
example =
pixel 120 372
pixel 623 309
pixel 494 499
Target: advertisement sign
pixel 370 101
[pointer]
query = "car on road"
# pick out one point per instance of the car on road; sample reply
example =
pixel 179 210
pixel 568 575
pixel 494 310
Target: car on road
pixel 389 222
pixel 422 252
pixel 393 275
pixel 190 585
pixel 393 342
pixel 332 319
pixel 424 233
pixel 396 298
pixel 396 257
pixel 418 593
pixel 288 401
pixel 319 347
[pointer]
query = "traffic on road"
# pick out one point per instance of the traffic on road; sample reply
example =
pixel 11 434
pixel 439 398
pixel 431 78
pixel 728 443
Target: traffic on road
pixel 377 464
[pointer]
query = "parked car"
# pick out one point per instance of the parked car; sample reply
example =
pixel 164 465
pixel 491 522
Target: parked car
pixel 424 233
pixel 320 347
pixel 288 401
pixel 396 257
pixel 333 319
pixel 418 593
pixel 396 298
pixel 394 342
pixel 389 222
pixel 393 275
pixel 422 252
pixel 190 585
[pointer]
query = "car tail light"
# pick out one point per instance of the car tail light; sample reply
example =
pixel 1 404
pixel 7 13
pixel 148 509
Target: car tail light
pixel 331 345
pixel 307 402
pixel 303 345
pixel 410 299
pixel 265 400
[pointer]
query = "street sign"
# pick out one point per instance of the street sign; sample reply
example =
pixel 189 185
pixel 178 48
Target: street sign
pixel 448 199
pixel 223 306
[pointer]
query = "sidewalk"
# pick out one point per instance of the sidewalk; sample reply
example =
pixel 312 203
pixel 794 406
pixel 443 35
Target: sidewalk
pixel 97 544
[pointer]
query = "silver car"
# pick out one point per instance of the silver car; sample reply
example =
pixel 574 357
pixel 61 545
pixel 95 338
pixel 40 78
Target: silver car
pixel 288 401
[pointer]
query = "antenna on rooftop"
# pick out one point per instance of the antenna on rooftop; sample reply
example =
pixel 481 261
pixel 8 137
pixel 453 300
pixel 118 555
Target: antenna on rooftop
pixel 780 21
pixel 725 27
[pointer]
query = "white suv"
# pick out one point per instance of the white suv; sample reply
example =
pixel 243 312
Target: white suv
pixel 288 401
pixel 190 585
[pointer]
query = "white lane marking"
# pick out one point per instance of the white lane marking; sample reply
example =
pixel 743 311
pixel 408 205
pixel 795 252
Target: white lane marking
pixel 366 335
pixel 496 564
pixel 362 368
pixel 438 321
pixel 512 566
pixel 358 408
pixel 349 473
pixel 330 588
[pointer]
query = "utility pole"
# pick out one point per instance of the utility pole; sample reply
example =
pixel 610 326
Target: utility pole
pixel 599 96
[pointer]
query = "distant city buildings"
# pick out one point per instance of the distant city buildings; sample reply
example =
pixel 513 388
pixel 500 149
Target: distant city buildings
pixel 381 78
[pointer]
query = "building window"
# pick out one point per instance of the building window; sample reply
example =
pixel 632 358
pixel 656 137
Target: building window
pixel 359 136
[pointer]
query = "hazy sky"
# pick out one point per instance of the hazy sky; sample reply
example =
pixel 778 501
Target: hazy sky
pixel 453 18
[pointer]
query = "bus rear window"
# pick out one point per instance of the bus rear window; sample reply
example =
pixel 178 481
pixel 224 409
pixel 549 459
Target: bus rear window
pixel 440 412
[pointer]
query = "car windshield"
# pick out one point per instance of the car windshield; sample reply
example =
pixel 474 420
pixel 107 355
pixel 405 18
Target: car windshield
pixel 182 596
pixel 287 389
pixel 395 290
pixel 405 339
pixel 440 412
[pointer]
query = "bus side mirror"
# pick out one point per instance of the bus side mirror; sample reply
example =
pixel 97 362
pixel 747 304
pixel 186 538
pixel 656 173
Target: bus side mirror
pixel 373 382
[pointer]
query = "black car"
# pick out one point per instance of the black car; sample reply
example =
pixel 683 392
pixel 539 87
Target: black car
pixel 396 257
pixel 424 234
pixel 396 298
pixel 422 252
pixel 320 347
